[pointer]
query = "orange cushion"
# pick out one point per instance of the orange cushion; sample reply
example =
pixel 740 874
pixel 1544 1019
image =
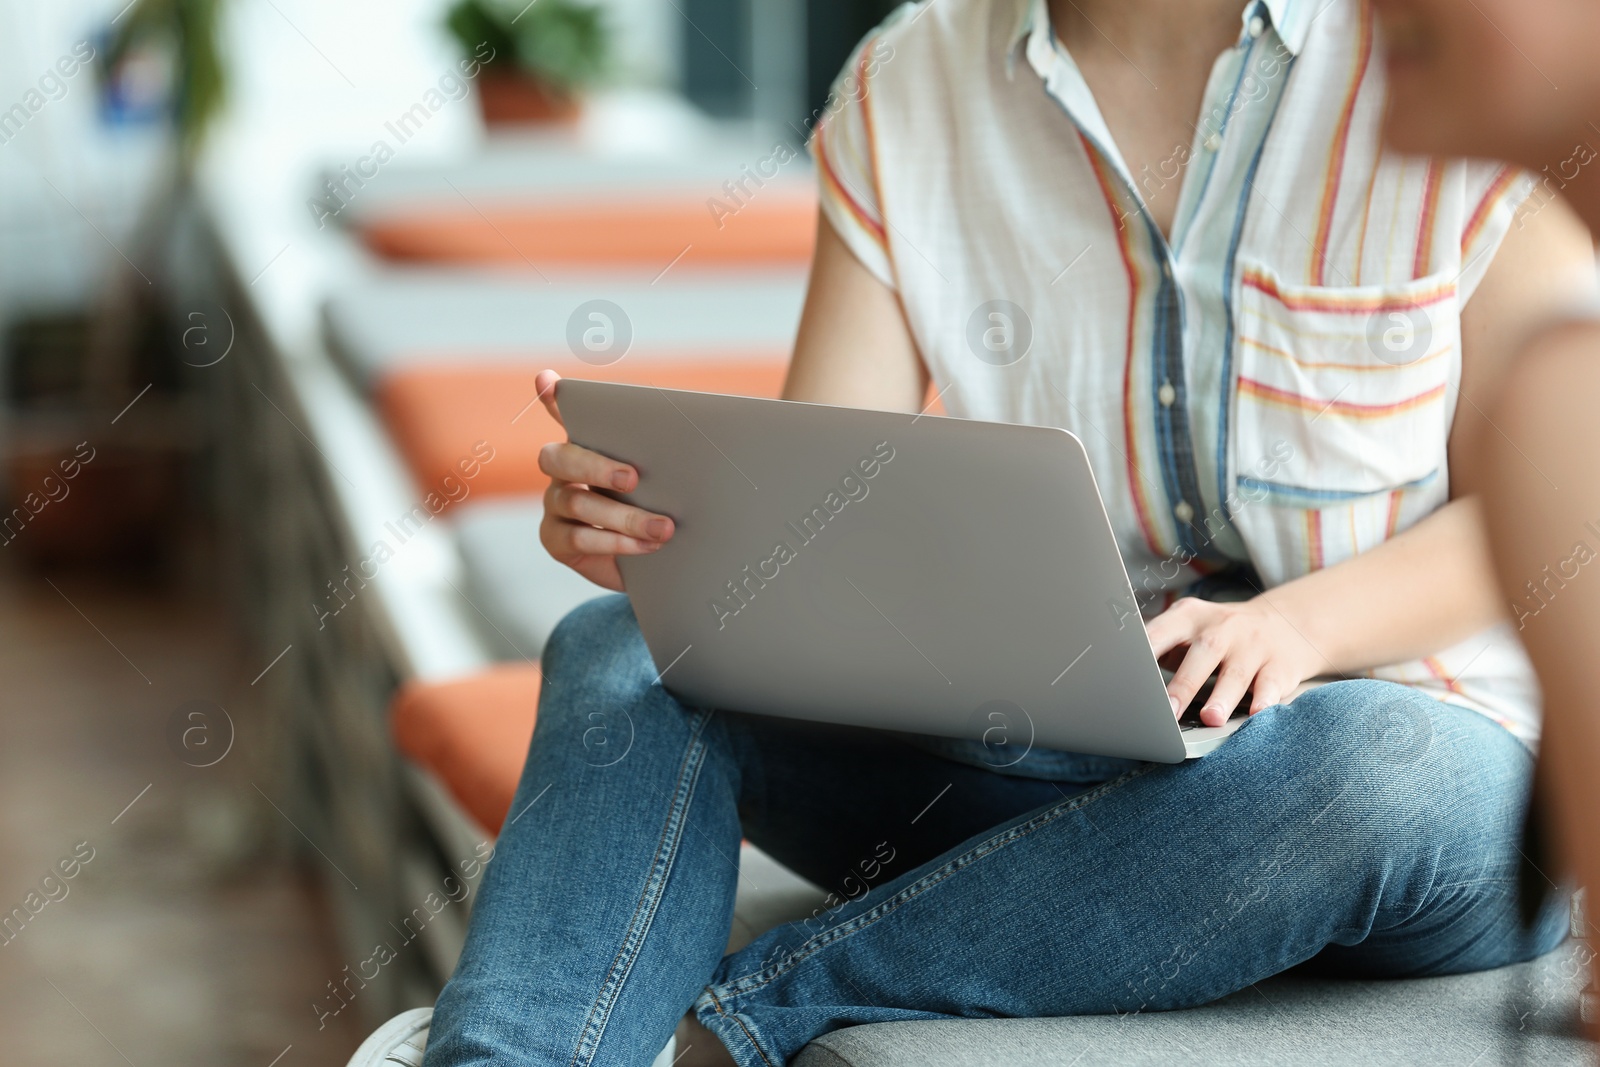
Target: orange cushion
pixel 477 429
pixel 472 733
pixel 776 226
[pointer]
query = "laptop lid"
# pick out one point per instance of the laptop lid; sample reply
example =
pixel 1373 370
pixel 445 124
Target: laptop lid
pixel 919 573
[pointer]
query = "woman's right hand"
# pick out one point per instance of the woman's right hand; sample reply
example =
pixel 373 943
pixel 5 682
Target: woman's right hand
pixel 582 528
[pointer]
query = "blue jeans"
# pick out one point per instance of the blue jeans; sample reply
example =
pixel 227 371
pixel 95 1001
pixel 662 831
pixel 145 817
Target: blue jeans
pixel 1364 827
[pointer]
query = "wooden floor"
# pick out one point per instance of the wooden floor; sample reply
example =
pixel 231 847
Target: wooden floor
pixel 192 935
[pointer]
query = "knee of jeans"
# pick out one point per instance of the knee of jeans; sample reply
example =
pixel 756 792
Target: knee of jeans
pixel 596 667
pixel 596 630
pixel 1373 745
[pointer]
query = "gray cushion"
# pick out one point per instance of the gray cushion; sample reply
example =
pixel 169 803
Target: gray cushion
pixel 405 317
pixel 517 592
pixel 1523 1014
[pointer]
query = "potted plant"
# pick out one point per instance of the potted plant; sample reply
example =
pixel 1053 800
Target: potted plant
pixel 100 421
pixel 186 31
pixel 542 55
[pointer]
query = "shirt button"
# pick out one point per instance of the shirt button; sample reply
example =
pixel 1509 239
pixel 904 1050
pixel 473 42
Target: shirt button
pixel 1184 512
pixel 1257 27
pixel 1166 394
pixel 1212 142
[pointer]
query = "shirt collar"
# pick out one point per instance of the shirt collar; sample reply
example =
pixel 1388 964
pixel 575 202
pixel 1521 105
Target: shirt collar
pixel 1290 18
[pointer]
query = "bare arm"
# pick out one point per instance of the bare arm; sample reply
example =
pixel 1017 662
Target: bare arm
pixel 1542 502
pixel 854 347
pixel 1432 585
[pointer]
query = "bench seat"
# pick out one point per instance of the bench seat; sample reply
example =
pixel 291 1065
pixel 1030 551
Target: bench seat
pixel 648 232
pixel 443 415
pixel 1521 1014
pixel 518 591
pixel 559 207
pixel 401 318
pixel 471 734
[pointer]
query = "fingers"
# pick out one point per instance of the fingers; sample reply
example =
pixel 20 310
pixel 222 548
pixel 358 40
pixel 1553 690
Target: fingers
pixel 1176 626
pixel 545 384
pixel 1232 682
pixel 1174 636
pixel 1240 644
pixel 584 529
pixel 558 536
pixel 1271 687
pixel 1204 654
pixel 590 541
pixel 567 540
pixel 580 505
pixel 567 462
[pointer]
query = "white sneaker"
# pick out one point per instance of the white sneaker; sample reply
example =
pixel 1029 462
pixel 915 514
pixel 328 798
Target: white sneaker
pixel 401 1040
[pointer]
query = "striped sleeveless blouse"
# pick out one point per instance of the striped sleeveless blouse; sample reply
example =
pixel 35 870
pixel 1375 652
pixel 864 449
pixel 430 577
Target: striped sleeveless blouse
pixel 1266 393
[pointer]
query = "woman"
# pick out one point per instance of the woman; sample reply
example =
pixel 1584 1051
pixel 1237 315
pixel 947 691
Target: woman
pixel 1459 84
pixel 1272 338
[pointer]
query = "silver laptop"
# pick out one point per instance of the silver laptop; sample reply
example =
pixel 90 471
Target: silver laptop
pixel 917 573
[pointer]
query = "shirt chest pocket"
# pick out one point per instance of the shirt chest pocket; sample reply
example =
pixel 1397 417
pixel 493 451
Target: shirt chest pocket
pixel 1343 392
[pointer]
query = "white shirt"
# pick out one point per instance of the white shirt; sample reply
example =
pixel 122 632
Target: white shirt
pixel 1268 392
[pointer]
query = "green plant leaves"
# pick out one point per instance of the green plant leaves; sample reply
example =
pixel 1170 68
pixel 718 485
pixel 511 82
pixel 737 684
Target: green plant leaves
pixel 562 43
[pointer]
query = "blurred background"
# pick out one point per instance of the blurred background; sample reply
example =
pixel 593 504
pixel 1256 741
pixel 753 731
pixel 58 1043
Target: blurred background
pixel 275 278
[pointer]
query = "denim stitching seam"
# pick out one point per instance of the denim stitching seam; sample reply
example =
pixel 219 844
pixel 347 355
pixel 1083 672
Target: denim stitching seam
pixel 649 899
pixel 716 1003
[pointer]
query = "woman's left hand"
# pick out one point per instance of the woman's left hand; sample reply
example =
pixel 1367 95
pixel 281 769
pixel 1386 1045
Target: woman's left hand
pixel 1251 646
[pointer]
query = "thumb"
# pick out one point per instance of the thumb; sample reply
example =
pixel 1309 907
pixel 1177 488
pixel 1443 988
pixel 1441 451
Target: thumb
pixel 545 382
